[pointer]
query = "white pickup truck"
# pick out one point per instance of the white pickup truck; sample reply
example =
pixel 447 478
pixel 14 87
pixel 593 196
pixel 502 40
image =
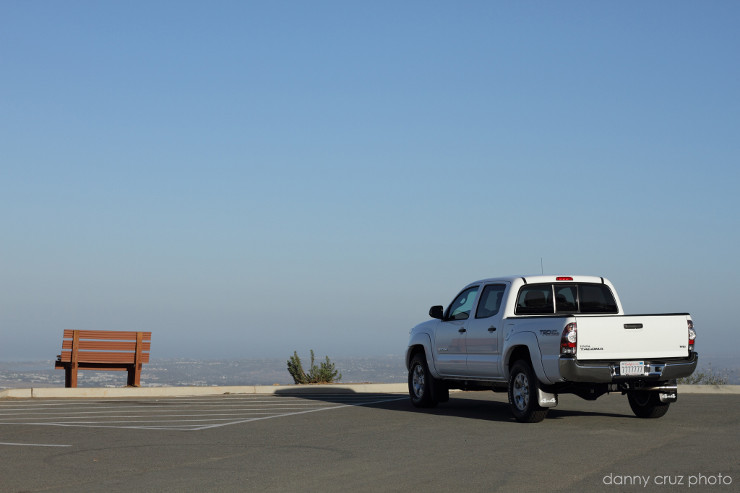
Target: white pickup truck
pixel 540 336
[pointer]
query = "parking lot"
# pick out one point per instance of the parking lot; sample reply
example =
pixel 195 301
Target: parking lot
pixel 363 442
pixel 184 414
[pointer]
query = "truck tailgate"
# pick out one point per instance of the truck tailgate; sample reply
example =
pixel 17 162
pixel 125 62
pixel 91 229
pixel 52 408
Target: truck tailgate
pixel 632 337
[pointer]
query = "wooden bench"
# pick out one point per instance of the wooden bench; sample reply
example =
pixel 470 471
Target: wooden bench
pixel 103 350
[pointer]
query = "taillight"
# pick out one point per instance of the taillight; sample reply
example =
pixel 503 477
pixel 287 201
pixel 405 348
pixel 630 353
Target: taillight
pixel 692 335
pixel 568 339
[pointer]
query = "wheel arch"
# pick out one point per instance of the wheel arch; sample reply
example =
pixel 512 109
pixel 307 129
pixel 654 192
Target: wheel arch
pixel 421 343
pixel 524 346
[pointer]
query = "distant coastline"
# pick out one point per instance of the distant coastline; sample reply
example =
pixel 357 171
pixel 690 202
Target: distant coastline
pixel 249 371
pixel 188 372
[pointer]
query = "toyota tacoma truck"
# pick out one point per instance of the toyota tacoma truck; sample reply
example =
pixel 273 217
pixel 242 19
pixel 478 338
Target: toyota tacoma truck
pixel 539 336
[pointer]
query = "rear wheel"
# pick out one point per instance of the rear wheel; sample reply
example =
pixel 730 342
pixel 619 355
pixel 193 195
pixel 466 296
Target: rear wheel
pixel 421 383
pixel 523 394
pixel 647 404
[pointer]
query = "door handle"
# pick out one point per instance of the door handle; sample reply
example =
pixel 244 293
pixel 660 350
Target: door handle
pixel 491 329
pixel 461 330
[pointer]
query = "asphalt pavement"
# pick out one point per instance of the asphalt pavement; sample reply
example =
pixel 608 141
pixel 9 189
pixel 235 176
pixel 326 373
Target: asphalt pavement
pixel 351 441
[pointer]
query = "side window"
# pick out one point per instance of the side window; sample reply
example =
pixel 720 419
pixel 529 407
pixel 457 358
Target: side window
pixel 490 300
pixel 565 299
pixel 534 299
pixel 463 304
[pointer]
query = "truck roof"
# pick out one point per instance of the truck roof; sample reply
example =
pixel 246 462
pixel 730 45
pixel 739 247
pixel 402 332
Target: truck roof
pixel 549 278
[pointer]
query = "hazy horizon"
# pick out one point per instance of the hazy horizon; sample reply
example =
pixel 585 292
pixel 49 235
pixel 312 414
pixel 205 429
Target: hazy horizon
pixel 255 371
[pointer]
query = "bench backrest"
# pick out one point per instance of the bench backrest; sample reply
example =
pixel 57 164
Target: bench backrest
pixel 106 346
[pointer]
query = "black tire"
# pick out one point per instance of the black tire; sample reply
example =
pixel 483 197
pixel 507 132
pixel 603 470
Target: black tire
pixel 523 395
pixel 647 404
pixel 421 383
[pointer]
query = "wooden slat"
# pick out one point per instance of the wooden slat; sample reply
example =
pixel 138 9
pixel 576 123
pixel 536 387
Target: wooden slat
pixel 134 377
pixel 103 367
pixel 102 357
pixel 90 357
pixel 107 345
pixel 110 335
pixel 70 380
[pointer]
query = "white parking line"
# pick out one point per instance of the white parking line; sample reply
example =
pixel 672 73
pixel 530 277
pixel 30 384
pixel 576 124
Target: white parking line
pixel 301 412
pixel 185 414
pixel 33 444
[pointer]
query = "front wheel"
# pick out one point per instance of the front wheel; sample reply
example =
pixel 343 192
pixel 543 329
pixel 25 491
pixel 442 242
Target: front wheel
pixel 523 394
pixel 421 383
pixel 647 404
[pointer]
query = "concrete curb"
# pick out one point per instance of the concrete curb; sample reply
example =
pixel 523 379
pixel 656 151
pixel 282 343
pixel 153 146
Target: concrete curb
pixel 709 389
pixel 378 388
pixel 56 393
pixel 16 394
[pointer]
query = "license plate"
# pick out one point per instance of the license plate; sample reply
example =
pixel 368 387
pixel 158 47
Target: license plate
pixel 631 368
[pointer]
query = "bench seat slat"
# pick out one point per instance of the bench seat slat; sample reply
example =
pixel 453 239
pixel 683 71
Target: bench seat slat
pixel 102 357
pixel 95 366
pixel 106 345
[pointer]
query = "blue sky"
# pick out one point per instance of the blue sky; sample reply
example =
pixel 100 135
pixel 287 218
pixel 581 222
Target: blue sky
pixel 247 179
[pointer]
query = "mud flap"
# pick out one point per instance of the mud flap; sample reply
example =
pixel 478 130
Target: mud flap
pixel 547 399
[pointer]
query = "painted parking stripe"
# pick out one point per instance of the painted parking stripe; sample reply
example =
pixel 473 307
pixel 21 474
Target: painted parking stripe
pixel 178 413
pixel 151 411
pixel 304 412
pixel 33 444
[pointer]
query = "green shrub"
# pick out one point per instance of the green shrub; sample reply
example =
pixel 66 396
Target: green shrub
pixel 708 377
pixel 324 373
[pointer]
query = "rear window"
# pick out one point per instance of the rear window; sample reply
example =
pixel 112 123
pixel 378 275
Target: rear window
pixel 540 299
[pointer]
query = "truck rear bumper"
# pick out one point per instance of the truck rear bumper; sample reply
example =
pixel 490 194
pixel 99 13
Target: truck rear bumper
pixel 608 371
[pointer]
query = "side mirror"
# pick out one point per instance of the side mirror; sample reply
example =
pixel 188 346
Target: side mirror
pixel 436 312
